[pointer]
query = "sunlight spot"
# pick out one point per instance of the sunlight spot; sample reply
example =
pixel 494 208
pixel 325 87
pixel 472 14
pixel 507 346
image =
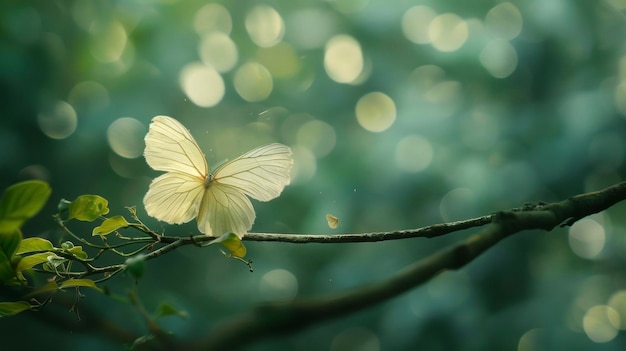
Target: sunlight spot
pixel 533 340
pixel 375 112
pixel 253 82
pixel 415 22
pixel 587 238
pixel 601 323
pixel 108 40
pixel 265 26
pixel 355 339
pixel 59 122
pixel 203 85
pixel 504 21
pixel 212 17
pixel 278 284
pixel 125 136
pixel 317 136
pixel 304 165
pixel 281 60
pixel 617 301
pixel 457 204
pixel 413 154
pixel 88 96
pixel 447 32
pixel 619 97
pixel 219 51
pixel 343 59
pixel 499 58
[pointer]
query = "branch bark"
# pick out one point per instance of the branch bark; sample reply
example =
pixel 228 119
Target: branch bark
pixel 275 318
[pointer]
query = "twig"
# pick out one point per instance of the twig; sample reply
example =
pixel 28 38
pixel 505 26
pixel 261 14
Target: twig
pixel 274 318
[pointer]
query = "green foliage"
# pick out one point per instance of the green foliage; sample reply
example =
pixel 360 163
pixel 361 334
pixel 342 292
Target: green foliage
pixel 110 225
pixel 135 265
pixel 232 243
pixel 11 308
pixel 21 202
pixel 88 208
pixel 165 309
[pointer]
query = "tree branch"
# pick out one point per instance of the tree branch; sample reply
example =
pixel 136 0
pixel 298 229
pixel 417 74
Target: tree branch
pixel 280 317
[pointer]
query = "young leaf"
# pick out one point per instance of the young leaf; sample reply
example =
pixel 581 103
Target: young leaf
pixel 165 309
pixel 77 251
pixel 50 286
pixel 87 283
pixel 34 244
pixel 12 308
pixel 110 225
pixel 31 261
pixel 231 242
pixel 9 242
pixel 21 202
pixel 87 208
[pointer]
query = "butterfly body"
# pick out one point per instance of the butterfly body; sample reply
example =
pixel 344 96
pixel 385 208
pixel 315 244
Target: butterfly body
pixel 219 200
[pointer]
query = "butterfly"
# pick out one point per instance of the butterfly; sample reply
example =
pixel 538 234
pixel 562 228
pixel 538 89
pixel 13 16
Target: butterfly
pixel 219 200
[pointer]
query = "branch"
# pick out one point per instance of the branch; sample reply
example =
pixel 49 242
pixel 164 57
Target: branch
pixel 280 317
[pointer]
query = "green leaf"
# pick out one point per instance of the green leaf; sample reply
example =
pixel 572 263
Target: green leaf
pixel 232 243
pixel 12 308
pixel 110 225
pixel 48 287
pixel 87 208
pixel 87 283
pixel 34 244
pixel 135 265
pixel 165 309
pixel 28 262
pixel 9 242
pixel 21 202
pixel 77 251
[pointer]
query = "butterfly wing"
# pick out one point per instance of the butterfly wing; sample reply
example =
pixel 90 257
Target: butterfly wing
pixel 225 209
pixel 261 173
pixel 171 148
pixel 174 197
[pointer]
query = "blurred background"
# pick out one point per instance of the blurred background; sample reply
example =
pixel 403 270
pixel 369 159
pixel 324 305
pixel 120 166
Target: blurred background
pixel 401 114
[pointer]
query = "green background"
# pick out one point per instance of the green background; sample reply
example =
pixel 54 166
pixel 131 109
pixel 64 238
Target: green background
pixel 465 142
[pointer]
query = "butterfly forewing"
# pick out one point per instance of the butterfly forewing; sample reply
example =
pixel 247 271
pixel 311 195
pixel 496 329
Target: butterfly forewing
pixel 171 148
pixel 174 198
pixel 261 173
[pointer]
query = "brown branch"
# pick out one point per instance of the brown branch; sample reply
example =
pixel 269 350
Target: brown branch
pixel 274 318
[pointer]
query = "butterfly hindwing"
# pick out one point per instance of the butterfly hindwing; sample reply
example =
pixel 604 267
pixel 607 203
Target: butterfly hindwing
pixel 225 209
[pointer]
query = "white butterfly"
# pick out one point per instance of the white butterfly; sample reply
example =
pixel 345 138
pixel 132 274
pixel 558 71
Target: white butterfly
pixel 217 199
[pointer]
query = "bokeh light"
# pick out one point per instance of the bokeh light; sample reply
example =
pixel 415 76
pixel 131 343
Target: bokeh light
pixel 109 40
pixel 587 238
pixel 202 84
pixel 601 323
pixel 617 302
pixel 447 32
pixel 310 28
pixel 265 26
pixel 415 23
pixel 343 59
pixel 278 284
pixel 59 122
pixel 533 340
pixel 317 136
pixel 413 153
pixel 375 112
pixel 504 21
pixel 499 58
pixel 88 96
pixel 217 50
pixel 211 18
pixel 253 82
pixel 125 136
